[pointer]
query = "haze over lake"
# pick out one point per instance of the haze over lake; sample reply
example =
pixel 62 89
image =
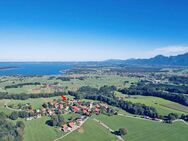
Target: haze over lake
pixel 33 68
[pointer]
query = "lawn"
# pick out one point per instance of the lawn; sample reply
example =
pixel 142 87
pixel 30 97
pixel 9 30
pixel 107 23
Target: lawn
pixel 163 106
pixel 90 131
pixel 142 130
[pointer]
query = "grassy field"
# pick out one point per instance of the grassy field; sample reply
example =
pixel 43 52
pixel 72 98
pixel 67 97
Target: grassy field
pixel 35 103
pixel 163 106
pixel 90 131
pixel 92 81
pixel 145 130
pixel 37 130
pixel 73 84
pixel 138 130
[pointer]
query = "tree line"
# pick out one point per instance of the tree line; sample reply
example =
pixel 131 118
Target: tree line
pixel 9 131
pixel 22 84
pixel 146 89
pixel 25 96
pixel 178 79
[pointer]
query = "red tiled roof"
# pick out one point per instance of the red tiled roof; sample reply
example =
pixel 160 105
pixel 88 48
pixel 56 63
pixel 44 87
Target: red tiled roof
pixel 71 124
pixel 97 110
pixel 75 108
pixel 84 111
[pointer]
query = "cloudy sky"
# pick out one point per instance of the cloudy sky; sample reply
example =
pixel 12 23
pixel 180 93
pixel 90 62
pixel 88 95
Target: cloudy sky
pixel 80 30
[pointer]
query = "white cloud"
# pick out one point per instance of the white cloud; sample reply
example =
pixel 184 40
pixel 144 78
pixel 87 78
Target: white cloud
pixel 169 50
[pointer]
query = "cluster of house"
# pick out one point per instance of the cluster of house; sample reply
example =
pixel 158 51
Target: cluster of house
pixel 58 106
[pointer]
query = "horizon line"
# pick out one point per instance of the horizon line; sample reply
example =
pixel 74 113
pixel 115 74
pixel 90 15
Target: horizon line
pixel 77 61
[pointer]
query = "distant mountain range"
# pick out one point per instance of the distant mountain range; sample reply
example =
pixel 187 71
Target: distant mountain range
pixel 160 60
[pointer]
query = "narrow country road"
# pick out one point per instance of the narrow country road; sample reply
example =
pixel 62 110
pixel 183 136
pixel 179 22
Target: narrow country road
pixel 177 120
pixel 108 128
pixel 12 109
pixel 180 120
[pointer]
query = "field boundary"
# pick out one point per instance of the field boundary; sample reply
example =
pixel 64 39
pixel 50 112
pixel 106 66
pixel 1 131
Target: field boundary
pixel 108 128
pixel 180 120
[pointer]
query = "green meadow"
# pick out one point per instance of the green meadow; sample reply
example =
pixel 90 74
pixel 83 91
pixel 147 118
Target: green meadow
pixel 146 130
pixel 163 106
pixel 37 130
pixel 73 84
pixel 36 103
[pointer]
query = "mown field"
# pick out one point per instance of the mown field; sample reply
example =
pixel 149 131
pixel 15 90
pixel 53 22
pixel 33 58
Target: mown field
pixel 37 130
pixel 145 130
pixel 163 106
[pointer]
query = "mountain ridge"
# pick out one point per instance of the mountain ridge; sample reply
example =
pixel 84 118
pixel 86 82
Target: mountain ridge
pixel 178 60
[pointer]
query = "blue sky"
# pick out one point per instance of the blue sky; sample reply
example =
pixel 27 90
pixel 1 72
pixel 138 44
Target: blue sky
pixel 80 30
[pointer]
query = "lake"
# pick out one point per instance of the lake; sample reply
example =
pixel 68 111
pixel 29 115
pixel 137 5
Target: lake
pixel 25 69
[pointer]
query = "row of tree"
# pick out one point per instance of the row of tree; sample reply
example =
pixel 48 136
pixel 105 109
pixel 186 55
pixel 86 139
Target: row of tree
pixel 184 117
pixel 20 114
pixel 170 117
pixel 21 85
pixel 25 96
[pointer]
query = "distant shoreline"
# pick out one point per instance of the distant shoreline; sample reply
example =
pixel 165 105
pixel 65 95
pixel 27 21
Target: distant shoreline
pixel 8 68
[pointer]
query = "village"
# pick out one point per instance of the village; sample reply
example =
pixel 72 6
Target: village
pixel 61 107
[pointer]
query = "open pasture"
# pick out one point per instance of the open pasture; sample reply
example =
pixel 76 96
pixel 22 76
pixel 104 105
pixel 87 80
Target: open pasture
pixel 163 106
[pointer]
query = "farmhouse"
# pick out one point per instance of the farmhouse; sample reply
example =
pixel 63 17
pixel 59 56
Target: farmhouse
pixel 65 128
pixel 71 125
pixel 76 109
